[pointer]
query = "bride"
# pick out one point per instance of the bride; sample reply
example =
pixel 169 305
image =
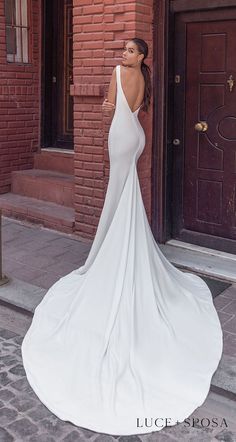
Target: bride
pixel 127 343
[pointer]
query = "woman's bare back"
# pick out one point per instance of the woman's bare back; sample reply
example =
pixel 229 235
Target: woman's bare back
pixel 133 85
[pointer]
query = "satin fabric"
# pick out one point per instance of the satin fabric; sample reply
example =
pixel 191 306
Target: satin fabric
pixel 127 343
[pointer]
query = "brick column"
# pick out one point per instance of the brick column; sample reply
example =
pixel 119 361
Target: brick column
pixel 100 30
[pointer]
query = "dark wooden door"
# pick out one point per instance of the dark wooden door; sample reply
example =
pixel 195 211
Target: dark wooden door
pixel 57 76
pixel 205 203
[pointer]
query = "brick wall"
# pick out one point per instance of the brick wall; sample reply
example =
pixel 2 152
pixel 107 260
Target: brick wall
pixel 100 29
pixel 19 103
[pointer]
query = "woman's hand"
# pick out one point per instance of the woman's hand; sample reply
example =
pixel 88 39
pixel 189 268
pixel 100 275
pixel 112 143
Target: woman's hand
pixel 107 106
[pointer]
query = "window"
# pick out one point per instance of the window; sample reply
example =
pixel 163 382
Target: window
pixel 17 30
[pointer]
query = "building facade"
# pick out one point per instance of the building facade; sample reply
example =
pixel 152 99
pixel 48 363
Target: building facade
pixel 56 59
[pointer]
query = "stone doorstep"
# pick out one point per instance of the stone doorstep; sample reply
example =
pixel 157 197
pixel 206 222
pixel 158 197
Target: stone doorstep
pixel 44 185
pixel 25 297
pixel 55 159
pixel 48 214
pixel 201 260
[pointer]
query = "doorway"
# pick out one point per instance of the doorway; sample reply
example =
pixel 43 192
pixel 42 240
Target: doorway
pixel 204 142
pixel 57 71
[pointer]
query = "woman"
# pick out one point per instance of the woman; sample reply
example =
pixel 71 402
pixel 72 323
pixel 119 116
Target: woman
pixel 127 343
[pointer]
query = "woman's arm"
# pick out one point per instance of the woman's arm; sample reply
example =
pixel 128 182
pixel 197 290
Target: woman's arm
pixel 109 102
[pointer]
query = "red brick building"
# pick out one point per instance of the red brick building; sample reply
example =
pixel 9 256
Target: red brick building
pixel 56 59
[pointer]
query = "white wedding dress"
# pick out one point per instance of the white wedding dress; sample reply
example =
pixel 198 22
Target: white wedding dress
pixel 127 338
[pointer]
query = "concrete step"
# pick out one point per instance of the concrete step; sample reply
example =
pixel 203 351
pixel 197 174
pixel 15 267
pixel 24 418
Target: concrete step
pixel 53 159
pixel 46 185
pixel 48 214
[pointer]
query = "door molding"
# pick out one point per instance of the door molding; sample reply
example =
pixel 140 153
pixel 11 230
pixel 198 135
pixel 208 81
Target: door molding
pixel 192 5
pixel 160 216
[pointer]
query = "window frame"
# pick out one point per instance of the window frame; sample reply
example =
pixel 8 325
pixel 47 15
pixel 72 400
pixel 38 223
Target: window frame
pixel 22 48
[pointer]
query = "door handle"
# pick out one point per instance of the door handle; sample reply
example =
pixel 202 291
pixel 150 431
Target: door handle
pixel 201 126
pixel 231 82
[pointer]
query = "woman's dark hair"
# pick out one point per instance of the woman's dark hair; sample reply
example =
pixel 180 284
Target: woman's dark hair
pixel 143 49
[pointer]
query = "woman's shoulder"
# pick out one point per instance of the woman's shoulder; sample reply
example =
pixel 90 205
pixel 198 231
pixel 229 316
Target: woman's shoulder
pixel 115 69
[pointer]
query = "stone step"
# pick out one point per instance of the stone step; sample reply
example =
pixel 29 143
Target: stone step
pixel 53 159
pixel 46 185
pixel 202 260
pixel 48 214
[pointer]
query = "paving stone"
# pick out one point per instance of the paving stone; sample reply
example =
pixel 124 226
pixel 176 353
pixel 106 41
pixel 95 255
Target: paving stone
pixel 42 438
pixel 18 340
pixel 202 436
pixel 133 438
pixel 74 436
pixel 7 415
pixel 157 436
pixel 23 402
pixel 23 428
pixel 8 346
pixel 231 325
pixel 4 378
pixel 221 303
pixel 5 436
pixel 21 385
pixel 9 360
pixel 32 394
pixel 104 438
pixel 6 395
pixel 184 432
pixel 17 352
pixel 18 370
pixel 39 413
pixel 46 280
pixel 226 436
pixel 55 427
pixel 87 433
pixel 7 334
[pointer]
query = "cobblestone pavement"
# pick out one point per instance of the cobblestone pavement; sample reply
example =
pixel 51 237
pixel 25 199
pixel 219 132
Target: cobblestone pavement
pixel 23 418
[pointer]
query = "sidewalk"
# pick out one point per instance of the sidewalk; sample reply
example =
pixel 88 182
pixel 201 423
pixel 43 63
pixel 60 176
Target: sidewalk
pixel 34 258
pixel 38 255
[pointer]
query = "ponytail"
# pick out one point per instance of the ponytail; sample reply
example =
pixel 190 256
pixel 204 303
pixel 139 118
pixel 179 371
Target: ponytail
pixel 143 49
pixel 148 86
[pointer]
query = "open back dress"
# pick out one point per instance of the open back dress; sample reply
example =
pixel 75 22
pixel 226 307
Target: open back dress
pixel 127 336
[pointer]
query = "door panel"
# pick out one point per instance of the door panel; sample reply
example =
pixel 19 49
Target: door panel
pixel 209 182
pixel 207 159
pixel 63 75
